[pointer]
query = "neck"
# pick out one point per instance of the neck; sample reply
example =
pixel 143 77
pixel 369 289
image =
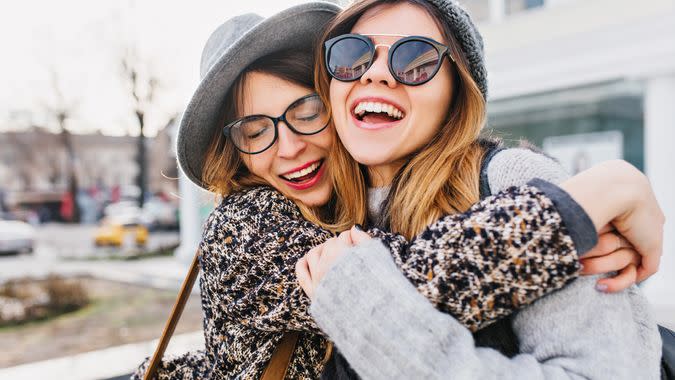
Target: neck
pixel 383 175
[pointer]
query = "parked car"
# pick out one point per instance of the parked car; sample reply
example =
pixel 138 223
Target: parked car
pixel 16 236
pixel 155 214
pixel 160 214
pixel 121 230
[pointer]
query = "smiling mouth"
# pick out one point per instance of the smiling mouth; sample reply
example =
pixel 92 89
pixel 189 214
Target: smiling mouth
pixel 303 175
pixel 377 113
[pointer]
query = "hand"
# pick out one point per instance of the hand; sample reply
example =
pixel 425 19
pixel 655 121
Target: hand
pixel 616 193
pixel 613 253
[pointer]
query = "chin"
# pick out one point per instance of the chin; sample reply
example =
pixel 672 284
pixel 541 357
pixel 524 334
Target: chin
pixel 370 155
pixel 316 198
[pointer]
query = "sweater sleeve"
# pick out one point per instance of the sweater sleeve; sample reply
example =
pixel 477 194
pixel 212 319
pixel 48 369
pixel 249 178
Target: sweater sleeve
pixel 192 365
pixel 250 246
pixel 387 330
pixel 502 254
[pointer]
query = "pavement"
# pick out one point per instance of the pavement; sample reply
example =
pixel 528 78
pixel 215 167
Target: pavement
pixel 69 250
pixel 109 363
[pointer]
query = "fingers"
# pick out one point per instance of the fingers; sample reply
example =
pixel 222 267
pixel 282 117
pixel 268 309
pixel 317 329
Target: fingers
pixel 612 262
pixel 649 266
pixel 313 257
pixel 605 229
pixel 358 236
pixel 607 243
pixel 622 281
pixel 346 237
pixel 304 277
pixel 651 254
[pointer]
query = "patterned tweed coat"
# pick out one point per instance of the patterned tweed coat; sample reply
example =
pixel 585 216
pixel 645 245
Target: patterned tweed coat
pixel 504 253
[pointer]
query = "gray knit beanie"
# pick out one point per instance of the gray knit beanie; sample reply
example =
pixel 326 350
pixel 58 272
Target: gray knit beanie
pixel 468 37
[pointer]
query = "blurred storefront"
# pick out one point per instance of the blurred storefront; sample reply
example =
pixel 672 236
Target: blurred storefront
pixel 588 81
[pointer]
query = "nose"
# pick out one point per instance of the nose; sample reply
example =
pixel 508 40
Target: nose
pixel 289 144
pixel 379 72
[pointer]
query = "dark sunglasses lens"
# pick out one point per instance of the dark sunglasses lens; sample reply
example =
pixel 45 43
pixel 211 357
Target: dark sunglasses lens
pixel 414 62
pixel 349 59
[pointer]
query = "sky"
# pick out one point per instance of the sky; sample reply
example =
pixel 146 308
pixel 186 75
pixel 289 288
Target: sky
pixel 79 44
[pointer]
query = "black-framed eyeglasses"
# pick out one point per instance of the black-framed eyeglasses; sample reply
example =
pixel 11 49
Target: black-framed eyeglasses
pixel 412 60
pixel 256 133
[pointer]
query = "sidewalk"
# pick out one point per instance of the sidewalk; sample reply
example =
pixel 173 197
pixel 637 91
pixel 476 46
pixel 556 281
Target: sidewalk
pixel 157 272
pixel 102 364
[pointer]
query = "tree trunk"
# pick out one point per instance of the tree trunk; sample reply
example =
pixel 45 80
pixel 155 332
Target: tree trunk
pixel 140 159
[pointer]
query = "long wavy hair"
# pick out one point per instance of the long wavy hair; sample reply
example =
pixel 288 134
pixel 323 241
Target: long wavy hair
pixel 440 178
pixel 224 170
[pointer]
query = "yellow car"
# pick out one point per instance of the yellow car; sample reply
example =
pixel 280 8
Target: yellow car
pixel 119 234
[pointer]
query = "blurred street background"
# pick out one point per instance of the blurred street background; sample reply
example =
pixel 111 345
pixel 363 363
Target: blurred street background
pixel 98 227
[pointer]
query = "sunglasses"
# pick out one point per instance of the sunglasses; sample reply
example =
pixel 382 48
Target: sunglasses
pixel 412 60
pixel 256 133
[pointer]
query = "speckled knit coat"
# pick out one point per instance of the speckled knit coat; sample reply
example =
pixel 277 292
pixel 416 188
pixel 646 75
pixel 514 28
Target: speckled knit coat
pixel 505 252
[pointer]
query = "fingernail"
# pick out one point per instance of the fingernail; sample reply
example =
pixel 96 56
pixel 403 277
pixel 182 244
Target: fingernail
pixel 601 287
pixel 358 227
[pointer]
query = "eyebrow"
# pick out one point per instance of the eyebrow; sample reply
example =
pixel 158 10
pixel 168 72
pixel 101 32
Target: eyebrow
pixel 384 35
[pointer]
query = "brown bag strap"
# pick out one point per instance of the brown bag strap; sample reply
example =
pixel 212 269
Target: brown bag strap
pixel 176 312
pixel 276 368
pixel 281 358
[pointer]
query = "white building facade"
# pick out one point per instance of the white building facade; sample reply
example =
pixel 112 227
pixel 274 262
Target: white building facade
pixel 590 80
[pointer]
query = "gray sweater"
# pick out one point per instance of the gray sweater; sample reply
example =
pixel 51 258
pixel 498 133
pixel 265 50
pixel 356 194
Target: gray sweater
pixel 387 330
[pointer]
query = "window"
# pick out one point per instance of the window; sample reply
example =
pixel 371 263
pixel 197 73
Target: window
pixel 478 9
pixel 514 6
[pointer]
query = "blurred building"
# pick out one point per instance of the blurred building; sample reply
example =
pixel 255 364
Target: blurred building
pixel 589 80
pixel 35 161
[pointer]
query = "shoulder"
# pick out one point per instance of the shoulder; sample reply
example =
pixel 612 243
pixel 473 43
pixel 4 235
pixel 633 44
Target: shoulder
pixel 517 166
pixel 254 201
pixel 249 206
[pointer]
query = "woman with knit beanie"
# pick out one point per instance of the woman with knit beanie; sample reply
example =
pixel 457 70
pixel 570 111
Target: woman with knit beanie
pixel 408 102
pixel 255 134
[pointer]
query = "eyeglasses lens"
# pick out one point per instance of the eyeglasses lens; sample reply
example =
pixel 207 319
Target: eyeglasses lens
pixel 349 58
pixel 414 62
pixel 253 134
pixel 308 116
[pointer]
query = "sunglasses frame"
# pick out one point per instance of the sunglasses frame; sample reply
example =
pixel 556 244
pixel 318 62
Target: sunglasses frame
pixel 275 120
pixel 441 49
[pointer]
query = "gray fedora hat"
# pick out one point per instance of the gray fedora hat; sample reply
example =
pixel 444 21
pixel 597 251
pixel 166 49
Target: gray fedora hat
pixel 232 47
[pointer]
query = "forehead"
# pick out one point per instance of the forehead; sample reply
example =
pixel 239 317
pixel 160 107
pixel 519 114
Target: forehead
pixel 403 18
pixel 267 94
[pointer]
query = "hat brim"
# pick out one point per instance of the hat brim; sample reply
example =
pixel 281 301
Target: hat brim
pixel 294 28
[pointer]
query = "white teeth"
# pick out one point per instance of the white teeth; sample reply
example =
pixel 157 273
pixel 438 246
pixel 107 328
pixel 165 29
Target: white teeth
pixel 378 107
pixel 302 172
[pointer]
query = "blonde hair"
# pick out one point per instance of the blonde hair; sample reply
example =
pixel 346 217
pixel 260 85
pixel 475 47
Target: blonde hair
pixel 443 176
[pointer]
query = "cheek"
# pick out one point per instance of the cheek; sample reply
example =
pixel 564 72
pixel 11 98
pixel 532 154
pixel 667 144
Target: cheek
pixel 436 97
pixel 338 98
pixel 258 164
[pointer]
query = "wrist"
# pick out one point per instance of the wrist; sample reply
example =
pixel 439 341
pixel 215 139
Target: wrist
pixel 606 191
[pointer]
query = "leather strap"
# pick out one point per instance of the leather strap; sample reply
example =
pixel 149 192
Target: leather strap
pixel 176 312
pixel 281 358
pixel 276 368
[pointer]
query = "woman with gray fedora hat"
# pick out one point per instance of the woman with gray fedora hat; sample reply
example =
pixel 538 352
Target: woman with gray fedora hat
pixel 249 293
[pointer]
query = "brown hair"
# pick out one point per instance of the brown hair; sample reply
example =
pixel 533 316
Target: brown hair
pixel 224 171
pixel 443 176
